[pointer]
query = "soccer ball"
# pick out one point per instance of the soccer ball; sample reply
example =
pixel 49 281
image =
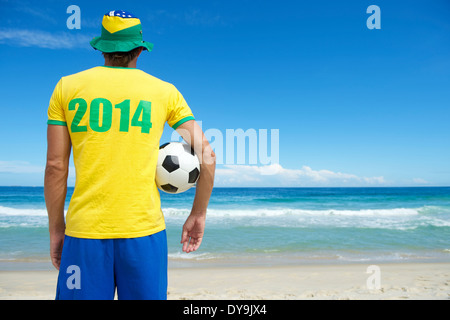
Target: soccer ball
pixel 178 167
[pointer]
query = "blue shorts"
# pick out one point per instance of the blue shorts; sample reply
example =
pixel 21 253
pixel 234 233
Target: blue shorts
pixel 93 268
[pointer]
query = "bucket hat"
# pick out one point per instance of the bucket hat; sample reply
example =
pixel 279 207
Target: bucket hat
pixel 121 32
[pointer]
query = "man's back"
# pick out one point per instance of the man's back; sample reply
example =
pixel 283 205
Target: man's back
pixel 115 117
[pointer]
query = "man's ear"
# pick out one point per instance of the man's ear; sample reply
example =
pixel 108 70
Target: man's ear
pixel 140 51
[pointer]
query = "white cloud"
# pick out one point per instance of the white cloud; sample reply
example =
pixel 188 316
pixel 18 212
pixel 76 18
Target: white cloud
pixel 161 19
pixel 41 12
pixel 44 39
pixel 24 167
pixel 277 176
pixel 420 181
pixel 19 167
pixel 198 17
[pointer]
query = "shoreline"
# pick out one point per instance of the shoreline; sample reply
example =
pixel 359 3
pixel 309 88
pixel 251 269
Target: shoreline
pixel 398 281
pixel 238 262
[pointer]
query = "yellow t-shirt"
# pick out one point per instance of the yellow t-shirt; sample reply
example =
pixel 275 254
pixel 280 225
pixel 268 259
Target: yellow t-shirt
pixel 115 118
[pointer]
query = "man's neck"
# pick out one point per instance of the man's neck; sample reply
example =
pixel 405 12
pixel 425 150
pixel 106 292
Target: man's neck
pixel 132 64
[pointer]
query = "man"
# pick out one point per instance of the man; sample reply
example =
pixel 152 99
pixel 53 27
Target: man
pixel 113 117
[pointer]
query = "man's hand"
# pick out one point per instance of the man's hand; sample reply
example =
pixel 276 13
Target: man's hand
pixel 56 246
pixel 193 230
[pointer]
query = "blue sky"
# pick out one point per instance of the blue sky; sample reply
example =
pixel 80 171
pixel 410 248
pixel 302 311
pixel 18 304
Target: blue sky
pixel 353 106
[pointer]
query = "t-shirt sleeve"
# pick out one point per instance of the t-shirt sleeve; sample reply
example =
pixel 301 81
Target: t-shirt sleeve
pixel 178 109
pixel 55 111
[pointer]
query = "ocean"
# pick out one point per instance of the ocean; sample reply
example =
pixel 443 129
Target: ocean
pixel 266 226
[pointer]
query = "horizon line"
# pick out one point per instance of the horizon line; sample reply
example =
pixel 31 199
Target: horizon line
pixel 274 187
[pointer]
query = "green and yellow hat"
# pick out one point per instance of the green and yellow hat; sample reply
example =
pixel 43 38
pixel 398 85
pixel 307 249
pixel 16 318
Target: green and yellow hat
pixel 121 32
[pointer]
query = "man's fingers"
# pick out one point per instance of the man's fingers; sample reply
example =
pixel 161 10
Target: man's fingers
pixel 184 236
pixel 184 240
pixel 56 263
pixel 197 243
pixel 185 245
pixel 191 244
pixel 194 244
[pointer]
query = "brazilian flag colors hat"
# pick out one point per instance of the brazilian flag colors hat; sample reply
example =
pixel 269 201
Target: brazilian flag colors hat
pixel 121 32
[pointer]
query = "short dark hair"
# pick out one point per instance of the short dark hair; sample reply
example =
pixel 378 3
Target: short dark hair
pixel 121 59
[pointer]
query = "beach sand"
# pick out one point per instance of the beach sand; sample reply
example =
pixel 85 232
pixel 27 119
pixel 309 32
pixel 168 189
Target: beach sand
pixel 326 281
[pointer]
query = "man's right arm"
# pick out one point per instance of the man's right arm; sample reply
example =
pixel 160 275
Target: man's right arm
pixel 194 226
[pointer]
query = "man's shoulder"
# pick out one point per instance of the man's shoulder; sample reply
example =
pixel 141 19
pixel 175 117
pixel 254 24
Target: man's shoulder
pixel 159 85
pixel 79 74
pixel 154 79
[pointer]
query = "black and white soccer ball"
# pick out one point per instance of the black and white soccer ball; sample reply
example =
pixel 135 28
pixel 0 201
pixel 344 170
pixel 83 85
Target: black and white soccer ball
pixel 178 167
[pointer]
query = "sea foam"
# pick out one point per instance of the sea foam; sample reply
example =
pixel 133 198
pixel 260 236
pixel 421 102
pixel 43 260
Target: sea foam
pixel 7 211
